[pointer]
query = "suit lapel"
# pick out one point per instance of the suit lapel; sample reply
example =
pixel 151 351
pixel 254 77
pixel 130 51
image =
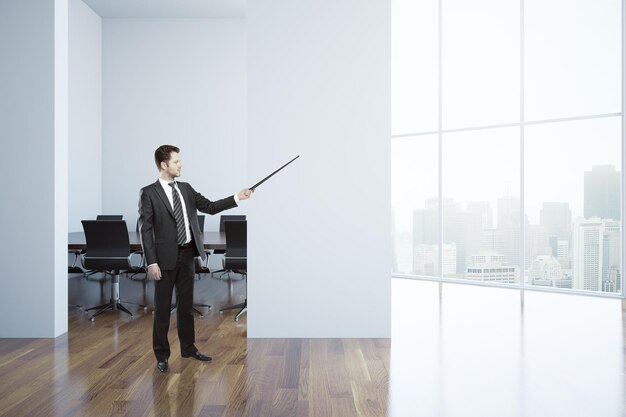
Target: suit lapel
pixel 161 194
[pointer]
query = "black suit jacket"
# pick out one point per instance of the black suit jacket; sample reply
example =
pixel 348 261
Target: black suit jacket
pixel 157 225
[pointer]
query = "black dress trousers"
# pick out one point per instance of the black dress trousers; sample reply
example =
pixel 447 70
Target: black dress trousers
pixel 181 278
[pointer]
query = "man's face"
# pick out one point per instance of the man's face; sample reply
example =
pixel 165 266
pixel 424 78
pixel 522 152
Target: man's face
pixel 173 165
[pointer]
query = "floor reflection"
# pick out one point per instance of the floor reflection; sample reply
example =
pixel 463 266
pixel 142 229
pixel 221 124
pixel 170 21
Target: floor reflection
pixel 461 350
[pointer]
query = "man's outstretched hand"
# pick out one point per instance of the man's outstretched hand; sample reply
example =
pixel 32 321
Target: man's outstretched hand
pixel 245 194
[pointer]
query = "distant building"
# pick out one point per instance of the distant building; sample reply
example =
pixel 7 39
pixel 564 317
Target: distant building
pixel 556 220
pixel 426 259
pixel 602 192
pixel 611 257
pixel 461 228
pixel 508 212
pixel 537 244
pixel 484 210
pixel 563 254
pixel 546 271
pixel 491 268
pixel 596 252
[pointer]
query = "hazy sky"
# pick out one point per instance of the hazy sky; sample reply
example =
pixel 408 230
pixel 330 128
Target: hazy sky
pixel 484 165
pixel 572 69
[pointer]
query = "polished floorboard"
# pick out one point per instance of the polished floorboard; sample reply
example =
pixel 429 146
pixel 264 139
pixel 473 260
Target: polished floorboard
pixel 456 350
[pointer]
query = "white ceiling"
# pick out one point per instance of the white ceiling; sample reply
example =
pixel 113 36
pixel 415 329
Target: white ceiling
pixel 169 8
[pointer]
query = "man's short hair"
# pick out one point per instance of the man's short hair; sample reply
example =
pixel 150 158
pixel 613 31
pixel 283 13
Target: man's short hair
pixel 163 154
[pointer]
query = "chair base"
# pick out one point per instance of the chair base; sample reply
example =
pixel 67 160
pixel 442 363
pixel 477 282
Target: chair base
pixel 223 272
pixel 243 306
pixel 226 272
pixel 114 303
pixel 195 310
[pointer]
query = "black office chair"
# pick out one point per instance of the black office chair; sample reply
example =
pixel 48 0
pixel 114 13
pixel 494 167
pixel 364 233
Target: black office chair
pixel 75 269
pixel 109 217
pixel 236 257
pixel 202 269
pixel 101 217
pixel 142 268
pixel 108 250
pixel 223 219
pixel 134 270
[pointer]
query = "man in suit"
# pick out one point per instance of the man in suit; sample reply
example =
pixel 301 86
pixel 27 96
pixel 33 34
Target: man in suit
pixel 171 239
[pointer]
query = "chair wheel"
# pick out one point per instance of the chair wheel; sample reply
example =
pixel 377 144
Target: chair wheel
pixel 92 319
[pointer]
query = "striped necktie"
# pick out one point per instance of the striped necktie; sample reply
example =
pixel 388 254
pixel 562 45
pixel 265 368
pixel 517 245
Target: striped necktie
pixel 178 214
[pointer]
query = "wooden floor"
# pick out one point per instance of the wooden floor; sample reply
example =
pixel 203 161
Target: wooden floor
pixel 457 350
pixel 107 368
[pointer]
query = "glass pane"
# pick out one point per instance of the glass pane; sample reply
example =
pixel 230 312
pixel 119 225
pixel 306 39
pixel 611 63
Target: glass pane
pixel 572 197
pixel 414 202
pixel 573 67
pixel 481 206
pixel 481 63
pixel 414 66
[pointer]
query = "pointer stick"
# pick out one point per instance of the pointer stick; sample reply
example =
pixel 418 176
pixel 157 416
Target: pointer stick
pixel 269 176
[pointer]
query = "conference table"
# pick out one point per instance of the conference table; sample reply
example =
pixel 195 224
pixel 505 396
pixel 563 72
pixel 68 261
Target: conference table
pixel 212 240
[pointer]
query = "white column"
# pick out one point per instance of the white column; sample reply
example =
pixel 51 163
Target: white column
pixel 319 235
pixel 33 129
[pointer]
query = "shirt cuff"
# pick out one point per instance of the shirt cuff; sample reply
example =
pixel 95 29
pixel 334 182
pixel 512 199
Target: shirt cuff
pixel 152 265
pixel 236 198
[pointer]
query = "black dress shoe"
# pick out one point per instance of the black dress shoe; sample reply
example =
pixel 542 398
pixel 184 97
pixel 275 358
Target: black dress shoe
pixel 162 366
pixel 196 355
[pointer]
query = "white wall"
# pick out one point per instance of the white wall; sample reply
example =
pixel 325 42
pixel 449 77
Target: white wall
pixel 179 82
pixel 319 232
pixel 85 114
pixel 33 128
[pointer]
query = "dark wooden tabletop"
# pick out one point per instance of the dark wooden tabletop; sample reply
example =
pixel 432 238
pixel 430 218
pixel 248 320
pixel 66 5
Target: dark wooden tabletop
pixel 212 240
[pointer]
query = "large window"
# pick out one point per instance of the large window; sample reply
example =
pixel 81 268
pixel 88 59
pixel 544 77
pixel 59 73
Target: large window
pixel 507 132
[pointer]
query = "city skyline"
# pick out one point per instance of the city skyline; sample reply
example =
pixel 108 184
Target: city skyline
pixel 586 250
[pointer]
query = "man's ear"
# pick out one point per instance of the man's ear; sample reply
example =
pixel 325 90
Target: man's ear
pixel 163 165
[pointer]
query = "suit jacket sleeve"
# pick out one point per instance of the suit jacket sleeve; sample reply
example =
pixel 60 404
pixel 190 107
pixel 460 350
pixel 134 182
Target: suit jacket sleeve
pixel 146 227
pixel 205 205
